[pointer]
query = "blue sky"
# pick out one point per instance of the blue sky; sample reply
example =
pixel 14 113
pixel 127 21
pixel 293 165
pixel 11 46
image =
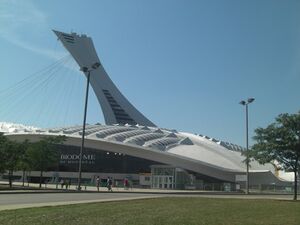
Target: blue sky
pixel 183 64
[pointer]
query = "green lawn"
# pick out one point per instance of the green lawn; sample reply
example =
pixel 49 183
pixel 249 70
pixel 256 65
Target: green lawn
pixel 181 210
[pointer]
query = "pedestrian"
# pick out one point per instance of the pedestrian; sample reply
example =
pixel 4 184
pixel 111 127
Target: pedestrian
pixel 109 184
pixel 67 184
pixel 126 184
pixel 62 183
pixel 117 184
pixel 98 183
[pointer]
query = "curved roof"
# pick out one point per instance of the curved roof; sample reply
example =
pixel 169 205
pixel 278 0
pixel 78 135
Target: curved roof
pixel 193 152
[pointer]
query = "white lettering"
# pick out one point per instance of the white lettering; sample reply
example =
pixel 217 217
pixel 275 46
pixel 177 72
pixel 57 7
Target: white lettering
pixel 91 157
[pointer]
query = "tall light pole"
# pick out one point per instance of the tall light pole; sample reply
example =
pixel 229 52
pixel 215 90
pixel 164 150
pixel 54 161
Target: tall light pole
pixel 246 103
pixel 88 71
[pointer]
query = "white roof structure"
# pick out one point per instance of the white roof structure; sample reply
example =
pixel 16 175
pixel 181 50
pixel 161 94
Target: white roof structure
pixel 188 151
pixel 127 131
pixel 13 127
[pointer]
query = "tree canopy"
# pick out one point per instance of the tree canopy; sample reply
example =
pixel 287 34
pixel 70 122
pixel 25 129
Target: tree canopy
pixel 25 155
pixel 42 154
pixel 3 141
pixel 11 156
pixel 280 143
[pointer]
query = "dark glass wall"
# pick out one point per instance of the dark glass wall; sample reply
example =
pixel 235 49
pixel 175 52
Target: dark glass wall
pixel 99 161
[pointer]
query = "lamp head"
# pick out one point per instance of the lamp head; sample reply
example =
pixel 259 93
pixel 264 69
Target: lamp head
pixel 96 65
pixel 84 69
pixel 242 102
pixel 251 100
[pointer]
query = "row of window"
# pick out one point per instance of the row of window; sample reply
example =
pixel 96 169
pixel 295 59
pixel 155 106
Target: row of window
pixel 121 116
pixel 68 38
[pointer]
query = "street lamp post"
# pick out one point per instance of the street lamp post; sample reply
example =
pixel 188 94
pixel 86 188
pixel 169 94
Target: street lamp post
pixel 246 103
pixel 88 71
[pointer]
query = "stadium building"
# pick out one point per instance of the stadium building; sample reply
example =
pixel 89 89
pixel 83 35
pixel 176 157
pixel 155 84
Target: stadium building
pixel 130 146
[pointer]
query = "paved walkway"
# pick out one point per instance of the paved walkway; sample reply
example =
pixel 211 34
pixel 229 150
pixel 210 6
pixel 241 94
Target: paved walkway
pixel 54 187
pixel 51 197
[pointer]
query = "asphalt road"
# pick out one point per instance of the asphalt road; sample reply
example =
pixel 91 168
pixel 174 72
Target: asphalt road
pixel 25 200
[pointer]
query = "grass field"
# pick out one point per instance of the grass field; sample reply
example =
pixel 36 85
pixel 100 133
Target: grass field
pixel 181 210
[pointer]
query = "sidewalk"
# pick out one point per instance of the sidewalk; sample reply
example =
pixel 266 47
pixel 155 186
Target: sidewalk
pixel 54 188
pixel 34 188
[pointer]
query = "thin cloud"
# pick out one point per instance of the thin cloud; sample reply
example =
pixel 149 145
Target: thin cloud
pixel 24 25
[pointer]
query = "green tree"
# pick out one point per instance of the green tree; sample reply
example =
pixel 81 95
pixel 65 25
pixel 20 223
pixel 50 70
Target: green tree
pixel 43 154
pixel 10 152
pixel 12 158
pixel 280 142
pixel 3 141
pixel 24 162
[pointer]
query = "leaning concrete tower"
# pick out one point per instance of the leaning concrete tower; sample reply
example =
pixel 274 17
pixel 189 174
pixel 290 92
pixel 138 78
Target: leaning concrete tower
pixel 115 107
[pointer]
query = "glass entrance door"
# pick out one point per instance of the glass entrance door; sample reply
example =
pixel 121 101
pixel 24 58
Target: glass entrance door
pixel 163 182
